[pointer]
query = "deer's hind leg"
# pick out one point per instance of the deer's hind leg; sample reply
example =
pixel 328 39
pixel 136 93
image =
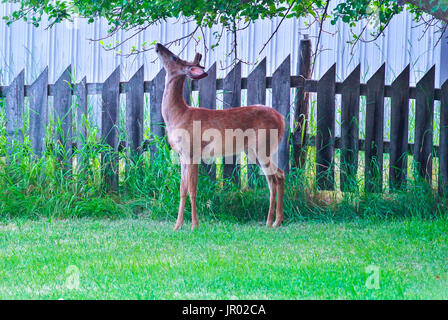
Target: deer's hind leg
pixel 277 176
pixel 272 194
pixel 271 184
pixel 280 185
pixel 276 181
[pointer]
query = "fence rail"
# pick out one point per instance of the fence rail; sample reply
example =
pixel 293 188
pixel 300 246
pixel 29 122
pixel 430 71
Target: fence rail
pixel 325 141
pixel 295 82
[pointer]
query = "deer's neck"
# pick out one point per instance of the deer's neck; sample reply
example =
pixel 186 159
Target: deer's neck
pixel 173 103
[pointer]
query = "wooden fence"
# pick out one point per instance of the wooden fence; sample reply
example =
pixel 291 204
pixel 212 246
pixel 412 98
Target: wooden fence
pixel 351 89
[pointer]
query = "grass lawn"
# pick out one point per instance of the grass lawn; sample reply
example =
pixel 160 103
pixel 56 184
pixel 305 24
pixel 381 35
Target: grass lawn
pixel 145 259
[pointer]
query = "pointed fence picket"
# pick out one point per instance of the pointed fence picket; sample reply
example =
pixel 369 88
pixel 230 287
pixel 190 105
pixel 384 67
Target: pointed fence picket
pixel 135 94
pixel 350 129
pixel 156 94
pixel 281 93
pixel 374 144
pixel 38 93
pixel 443 141
pixel 80 134
pixel 14 109
pixel 256 94
pixel 399 123
pixel 109 128
pixel 232 99
pixel 63 116
pixel 207 99
pixel 424 114
pixel 325 136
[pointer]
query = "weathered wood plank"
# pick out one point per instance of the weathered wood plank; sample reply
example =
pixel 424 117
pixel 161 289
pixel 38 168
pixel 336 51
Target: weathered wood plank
pixel 399 123
pixel 256 85
pixel 232 99
pixel 157 125
pixel 80 92
pixel 325 130
pixel 301 114
pixel 207 99
pixel 281 94
pixel 374 131
pixel 39 112
pixel 188 89
pixel 109 128
pixel 350 130
pixel 443 141
pixel 424 113
pixel 134 113
pixel 15 94
pixel 256 94
pixel 80 135
pixel 63 117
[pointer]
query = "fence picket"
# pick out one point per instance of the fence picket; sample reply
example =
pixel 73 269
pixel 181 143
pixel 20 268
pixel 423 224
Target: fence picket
pixel 281 94
pixel 63 116
pixel 374 131
pixel 325 130
pixel 207 99
pixel 399 123
pixel 81 112
pixel 109 127
pixel 424 113
pixel 39 112
pixel 256 94
pixel 134 113
pixel 350 129
pixel 14 109
pixel 443 141
pixel 80 135
pixel 188 89
pixel 302 102
pixel 232 99
pixel 156 94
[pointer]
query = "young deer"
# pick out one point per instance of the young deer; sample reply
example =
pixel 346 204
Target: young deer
pixel 199 133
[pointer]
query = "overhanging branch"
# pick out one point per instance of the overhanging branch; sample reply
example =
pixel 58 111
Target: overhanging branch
pixel 427 6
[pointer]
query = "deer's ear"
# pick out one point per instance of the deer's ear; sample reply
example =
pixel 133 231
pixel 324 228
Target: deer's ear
pixel 196 73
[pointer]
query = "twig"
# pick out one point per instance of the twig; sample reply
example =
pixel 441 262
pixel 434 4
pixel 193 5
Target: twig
pixel 324 16
pixel 278 26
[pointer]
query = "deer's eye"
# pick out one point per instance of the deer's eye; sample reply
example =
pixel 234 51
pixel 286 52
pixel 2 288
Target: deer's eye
pixel 175 58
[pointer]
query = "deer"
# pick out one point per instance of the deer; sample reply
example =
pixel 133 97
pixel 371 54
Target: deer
pixel 188 130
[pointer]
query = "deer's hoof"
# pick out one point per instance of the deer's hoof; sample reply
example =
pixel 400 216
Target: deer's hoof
pixel 177 226
pixel 194 226
pixel 277 223
pixel 269 223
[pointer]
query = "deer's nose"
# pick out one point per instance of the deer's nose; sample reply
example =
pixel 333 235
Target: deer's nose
pixel 158 45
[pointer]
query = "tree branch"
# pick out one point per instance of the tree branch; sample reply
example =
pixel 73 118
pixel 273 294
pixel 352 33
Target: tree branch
pixel 427 6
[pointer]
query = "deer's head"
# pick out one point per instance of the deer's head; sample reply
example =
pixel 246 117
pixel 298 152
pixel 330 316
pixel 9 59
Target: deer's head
pixel 175 66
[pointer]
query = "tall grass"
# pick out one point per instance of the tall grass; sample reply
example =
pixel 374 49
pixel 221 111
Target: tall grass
pixel 34 187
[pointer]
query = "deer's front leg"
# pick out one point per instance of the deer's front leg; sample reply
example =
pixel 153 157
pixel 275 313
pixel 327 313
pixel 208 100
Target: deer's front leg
pixel 183 196
pixel 193 170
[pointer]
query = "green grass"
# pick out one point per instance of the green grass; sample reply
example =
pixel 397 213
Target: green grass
pixel 145 259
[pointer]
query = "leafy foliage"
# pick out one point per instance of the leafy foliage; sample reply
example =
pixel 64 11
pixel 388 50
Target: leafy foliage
pixel 126 15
